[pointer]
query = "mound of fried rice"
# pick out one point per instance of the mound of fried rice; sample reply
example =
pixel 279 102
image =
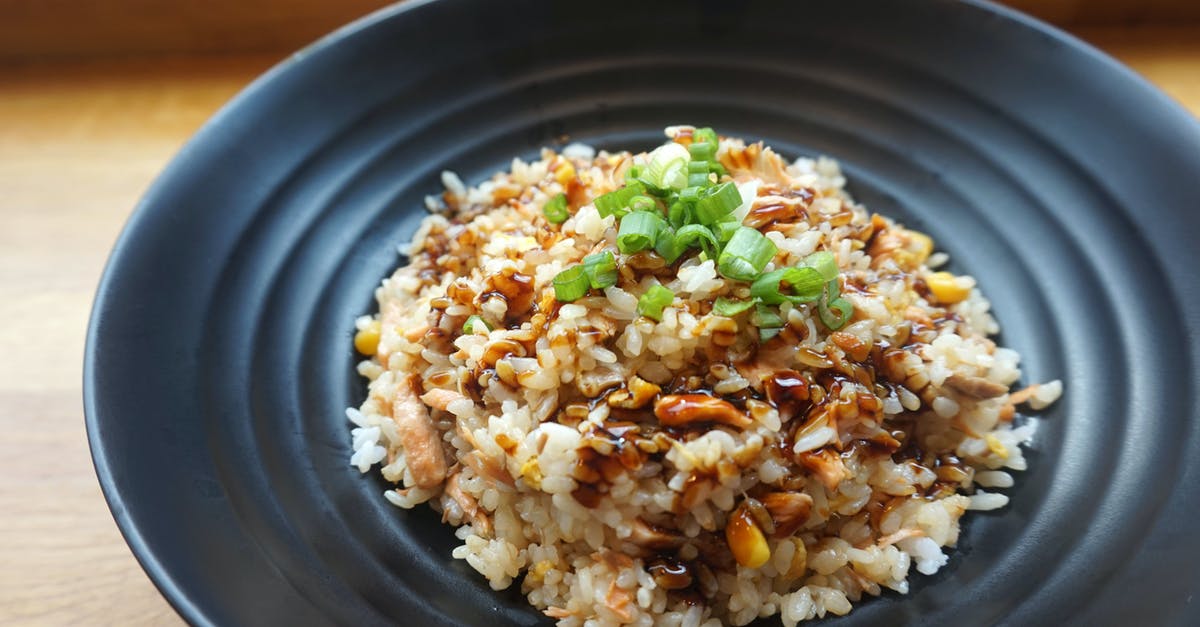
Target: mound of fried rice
pixel 849 458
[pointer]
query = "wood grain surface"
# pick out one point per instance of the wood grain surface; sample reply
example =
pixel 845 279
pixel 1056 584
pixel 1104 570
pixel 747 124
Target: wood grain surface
pixel 79 143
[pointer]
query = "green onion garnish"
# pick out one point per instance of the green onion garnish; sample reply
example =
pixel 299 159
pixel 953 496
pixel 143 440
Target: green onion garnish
pixel 824 263
pixel 633 173
pixel 834 310
pixel 668 166
pixel 805 283
pixel 601 269
pixel 704 136
pixel 679 214
pixel 616 203
pixel 766 317
pixel 693 235
pixel 702 151
pixel 652 303
pixel 729 307
pixel 746 254
pixel 571 284
pixel 717 202
pixel 836 313
pixel 642 203
pixel 768 333
pixel 690 194
pixel 639 231
pixel 725 229
pixel 475 323
pixel 555 209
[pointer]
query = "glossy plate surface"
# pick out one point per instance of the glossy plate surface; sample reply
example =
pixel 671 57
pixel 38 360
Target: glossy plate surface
pixel 219 360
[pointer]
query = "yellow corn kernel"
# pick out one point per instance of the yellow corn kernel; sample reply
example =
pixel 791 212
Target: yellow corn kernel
pixel 746 540
pixel 996 446
pixel 564 173
pixel 920 245
pixel 539 570
pixel 531 472
pixel 947 288
pixel 366 341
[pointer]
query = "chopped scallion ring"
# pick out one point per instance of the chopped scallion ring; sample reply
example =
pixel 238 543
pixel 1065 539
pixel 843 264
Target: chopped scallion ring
pixel 717 202
pixel 729 307
pixel 616 203
pixel 642 203
pixel 805 285
pixel 639 231
pixel 766 317
pixel 836 313
pixel 555 209
pixel 746 254
pixel 668 166
pixel 652 303
pixel 824 263
pixel 571 284
pixel 601 269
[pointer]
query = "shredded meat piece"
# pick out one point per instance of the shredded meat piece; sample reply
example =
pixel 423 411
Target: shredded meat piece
pixel 487 467
pixel 789 510
pixel 421 441
pixel 439 398
pixel 677 410
pixel 976 387
pixel 470 507
pixel 618 600
pixel 826 465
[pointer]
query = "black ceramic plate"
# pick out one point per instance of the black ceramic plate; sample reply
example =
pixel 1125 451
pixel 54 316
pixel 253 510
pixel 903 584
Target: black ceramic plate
pixel 219 359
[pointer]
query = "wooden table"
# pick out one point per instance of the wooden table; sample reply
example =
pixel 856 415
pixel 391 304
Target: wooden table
pixel 79 143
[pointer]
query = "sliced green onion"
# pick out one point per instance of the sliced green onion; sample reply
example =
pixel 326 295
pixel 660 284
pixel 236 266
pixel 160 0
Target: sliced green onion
pixel 833 289
pixel 633 173
pixel 805 283
pixel 571 284
pixel 697 235
pixel 699 180
pixel 642 203
pixel 836 313
pixel 824 263
pixel 717 202
pixel 679 214
pixel 702 151
pixel 724 230
pixel 718 169
pixel 766 334
pixel 639 231
pixel 834 310
pixel 704 136
pixel 666 245
pixel 601 269
pixel 668 166
pixel 475 323
pixel 729 307
pixel 697 167
pixel 555 209
pixel 652 303
pixel 765 317
pixel 616 203
pixel 746 254
pixel 690 194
